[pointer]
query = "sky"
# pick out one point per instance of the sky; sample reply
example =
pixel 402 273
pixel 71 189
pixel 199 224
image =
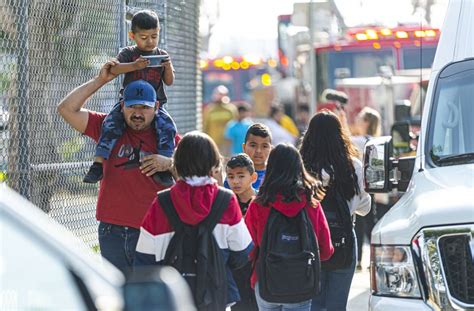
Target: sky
pixel 250 26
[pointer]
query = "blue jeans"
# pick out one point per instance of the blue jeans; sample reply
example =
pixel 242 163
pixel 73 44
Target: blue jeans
pixel 265 305
pixel 118 244
pixel 335 287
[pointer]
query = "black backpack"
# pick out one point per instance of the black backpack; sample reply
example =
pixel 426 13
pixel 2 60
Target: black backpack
pixel 288 266
pixel 194 252
pixel 340 224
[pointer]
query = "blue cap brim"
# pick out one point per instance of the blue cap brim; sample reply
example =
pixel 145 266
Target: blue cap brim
pixel 133 102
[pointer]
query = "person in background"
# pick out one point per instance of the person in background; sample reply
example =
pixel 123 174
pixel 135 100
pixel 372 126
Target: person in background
pixel 302 118
pixel 237 129
pixel 367 125
pixel 329 155
pixel 217 115
pixel 288 188
pixel 240 176
pixel 145 32
pixel 277 114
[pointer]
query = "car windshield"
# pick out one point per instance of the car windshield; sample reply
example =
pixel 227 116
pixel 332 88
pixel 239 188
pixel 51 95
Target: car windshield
pixel 452 128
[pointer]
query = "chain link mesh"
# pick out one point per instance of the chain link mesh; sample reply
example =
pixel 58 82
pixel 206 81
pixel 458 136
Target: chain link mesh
pixel 49 47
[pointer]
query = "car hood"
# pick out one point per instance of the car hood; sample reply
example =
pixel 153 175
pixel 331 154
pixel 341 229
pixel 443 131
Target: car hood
pixel 436 197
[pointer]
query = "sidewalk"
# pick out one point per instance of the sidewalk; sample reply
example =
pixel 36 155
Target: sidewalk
pixel 359 294
pixel 360 288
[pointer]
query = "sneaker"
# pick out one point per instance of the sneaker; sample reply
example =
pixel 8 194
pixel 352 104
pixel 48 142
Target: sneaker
pixel 94 174
pixel 164 178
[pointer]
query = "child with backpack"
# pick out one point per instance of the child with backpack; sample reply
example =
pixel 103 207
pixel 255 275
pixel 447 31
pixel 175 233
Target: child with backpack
pixel 197 227
pixel 329 155
pixel 290 234
pixel 240 176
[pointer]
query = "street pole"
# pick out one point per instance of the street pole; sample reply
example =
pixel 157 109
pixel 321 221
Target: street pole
pixel 312 61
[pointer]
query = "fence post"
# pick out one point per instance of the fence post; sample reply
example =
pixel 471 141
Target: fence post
pixel 24 181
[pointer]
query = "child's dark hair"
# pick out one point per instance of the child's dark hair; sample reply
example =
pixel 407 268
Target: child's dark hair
pixel 258 129
pixel 289 180
pixel 327 146
pixel 196 155
pixel 241 160
pixel 145 20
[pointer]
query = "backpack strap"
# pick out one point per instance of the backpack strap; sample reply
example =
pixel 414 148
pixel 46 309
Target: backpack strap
pixel 218 208
pixel 164 197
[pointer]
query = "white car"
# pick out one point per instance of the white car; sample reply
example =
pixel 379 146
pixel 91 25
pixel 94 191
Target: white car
pixel 422 250
pixel 44 267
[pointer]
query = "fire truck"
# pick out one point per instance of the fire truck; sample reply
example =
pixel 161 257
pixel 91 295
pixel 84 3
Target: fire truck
pixel 244 76
pixel 361 61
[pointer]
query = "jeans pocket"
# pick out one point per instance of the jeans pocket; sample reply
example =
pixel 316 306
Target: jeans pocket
pixel 104 229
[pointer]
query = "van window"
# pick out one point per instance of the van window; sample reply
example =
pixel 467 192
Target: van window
pixel 452 126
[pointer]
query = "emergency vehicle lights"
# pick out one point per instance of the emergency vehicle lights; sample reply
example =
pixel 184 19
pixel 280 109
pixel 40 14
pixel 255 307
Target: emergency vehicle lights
pixel 218 63
pixel 244 65
pixel 361 36
pixel 385 32
pixel 266 79
pixel 272 63
pixel 228 59
pixel 371 34
pixel 401 34
pixel 420 34
pixel 235 65
pixel 203 64
pixel 430 33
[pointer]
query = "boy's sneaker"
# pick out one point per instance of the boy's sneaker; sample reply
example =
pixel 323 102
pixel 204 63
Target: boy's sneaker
pixel 94 174
pixel 164 178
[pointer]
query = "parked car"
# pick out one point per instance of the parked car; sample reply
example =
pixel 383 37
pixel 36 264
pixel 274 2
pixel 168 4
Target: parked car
pixel 44 267
pixel 422 250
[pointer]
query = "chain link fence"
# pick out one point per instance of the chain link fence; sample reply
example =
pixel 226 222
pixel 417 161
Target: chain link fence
pixel 49 47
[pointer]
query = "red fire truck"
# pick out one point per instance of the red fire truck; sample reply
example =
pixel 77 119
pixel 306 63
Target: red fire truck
pixel 370 52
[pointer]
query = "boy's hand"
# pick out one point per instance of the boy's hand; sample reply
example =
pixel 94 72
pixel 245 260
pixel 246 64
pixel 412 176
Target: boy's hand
pixel 141 63
pixel 167 64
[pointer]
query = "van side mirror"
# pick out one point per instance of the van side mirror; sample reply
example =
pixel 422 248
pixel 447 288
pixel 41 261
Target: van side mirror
pixel 376 164
pixel 158 288
pixel 379 166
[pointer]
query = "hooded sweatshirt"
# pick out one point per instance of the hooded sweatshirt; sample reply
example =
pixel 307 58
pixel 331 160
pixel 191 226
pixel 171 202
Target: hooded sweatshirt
pixel 257 215
pixel 192 200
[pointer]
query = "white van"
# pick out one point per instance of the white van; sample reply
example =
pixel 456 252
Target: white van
pixel 422 250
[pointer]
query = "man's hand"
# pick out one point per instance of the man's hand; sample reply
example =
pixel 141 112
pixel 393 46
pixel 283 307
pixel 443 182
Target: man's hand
pixel 105 74
pixel 155 163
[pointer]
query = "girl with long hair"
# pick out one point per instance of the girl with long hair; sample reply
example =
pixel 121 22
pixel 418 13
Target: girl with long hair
pixel 329 155
pixel 288 188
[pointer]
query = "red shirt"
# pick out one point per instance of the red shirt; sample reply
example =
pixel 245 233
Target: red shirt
pixel 125 193
pixel 257 216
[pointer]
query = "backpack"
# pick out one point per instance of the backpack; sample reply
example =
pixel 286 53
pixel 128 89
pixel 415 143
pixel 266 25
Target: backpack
pixel 194 252
pixel 340 224
pixel 288 265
